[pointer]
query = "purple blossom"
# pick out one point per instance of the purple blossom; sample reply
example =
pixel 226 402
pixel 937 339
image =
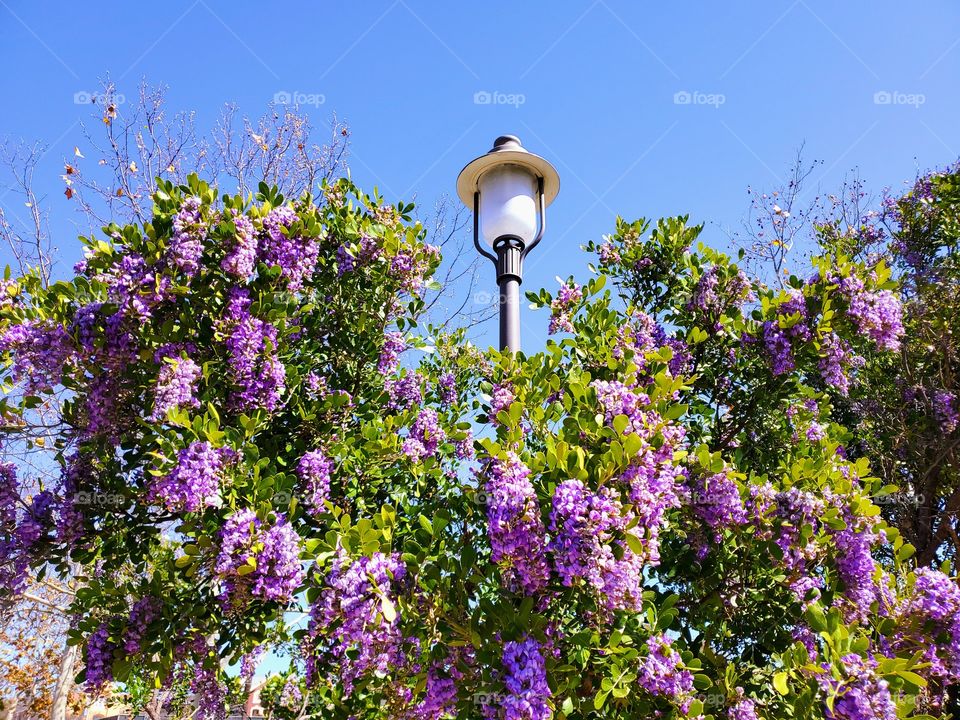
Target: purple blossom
pixel 176 387
pixel 251 661
pixel 99 658
pixel 272 551
pixel 862 696
pixel 425 436
pixel 296 256
pixel 41 351
pixel 525 678
pixel 314 471
pixel 447 388
pixel 716 500
pixel 514 525
pixel 778 347
pixel 946 410
pixel 194 482
pixel 189 231
pixel 855 567
pixel 241 259
pixel 661 671
pixel 357 615
pixel 502 398
pixel 404 392
pixel 349 259
pixel 836 357
pixel 393 344
pixel 878 315
pixel 567 297
pixel 584 529
pixel 143 612
pixel 37 519
pixel 257 373
pixel 743 708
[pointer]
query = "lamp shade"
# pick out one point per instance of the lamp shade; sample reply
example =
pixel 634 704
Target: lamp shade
pixel 508 203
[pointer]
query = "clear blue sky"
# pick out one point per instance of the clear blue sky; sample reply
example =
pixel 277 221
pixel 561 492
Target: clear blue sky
pixel 598 80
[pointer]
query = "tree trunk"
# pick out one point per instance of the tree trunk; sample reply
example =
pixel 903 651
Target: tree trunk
pixel 65 679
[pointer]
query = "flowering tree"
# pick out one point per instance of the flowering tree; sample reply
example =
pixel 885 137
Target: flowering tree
pixel 657 517
pixel 906 409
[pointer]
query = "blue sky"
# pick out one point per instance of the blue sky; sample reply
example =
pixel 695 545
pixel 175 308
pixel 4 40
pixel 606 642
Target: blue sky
pixel 594 88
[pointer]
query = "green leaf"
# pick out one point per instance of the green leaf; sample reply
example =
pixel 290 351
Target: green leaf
pixel 780 683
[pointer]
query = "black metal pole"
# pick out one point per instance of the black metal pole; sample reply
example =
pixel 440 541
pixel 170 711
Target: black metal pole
pixel 509 276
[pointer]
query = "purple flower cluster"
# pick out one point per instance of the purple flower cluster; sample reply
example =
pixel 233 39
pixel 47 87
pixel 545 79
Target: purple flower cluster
pixel 404 392
pixel 257 372
pixel 440 696
pixel 410 269
pixel 661 671
pixel 711 297
pixel 291 696
pixel 933 605
pixel 99 658
pixel 295 256
pixel 855 566
pixel 37 519
pixel 502 398
pixel 362 635
pixel 314 471
pixel 743 709
pixel 584 530
pixel 836 357
pixel 209 691
pixel 393 344
pixel 652 479
pixel 241 259
pixel 40 353
pixel 567 297
pixel 143 612
pixel 194 482
pixel 878 314
pixel 251 661
pixel 862 695
pixel 716 500
pixel 189 232
pixel 273 553
pixel 447 388
pixel 425 436
pixel 514 525
pixel 176 386
pixel 525 678
pixel 946 410
pixel 348 259
pixel 779 349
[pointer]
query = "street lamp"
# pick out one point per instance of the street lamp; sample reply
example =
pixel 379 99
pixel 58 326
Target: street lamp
pixel 507 188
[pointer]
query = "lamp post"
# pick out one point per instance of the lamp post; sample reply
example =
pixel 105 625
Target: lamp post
pixel 507 189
